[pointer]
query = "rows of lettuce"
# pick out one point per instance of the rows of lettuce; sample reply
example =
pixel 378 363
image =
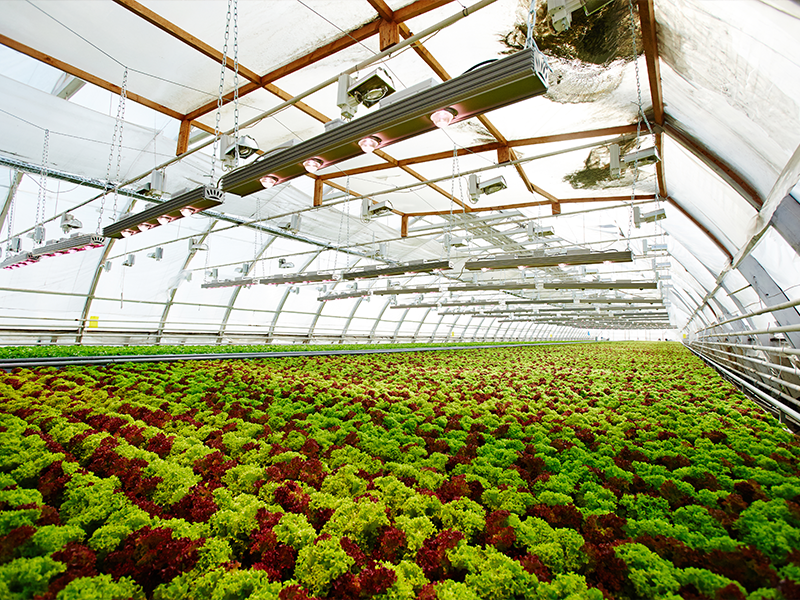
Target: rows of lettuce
pixel 57 350
pixel 582 472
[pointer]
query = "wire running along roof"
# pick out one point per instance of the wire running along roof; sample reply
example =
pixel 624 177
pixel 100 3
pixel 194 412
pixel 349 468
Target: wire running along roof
pixel 719 83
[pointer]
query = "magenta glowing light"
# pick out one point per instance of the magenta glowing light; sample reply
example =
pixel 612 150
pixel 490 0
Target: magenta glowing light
pixel 443 118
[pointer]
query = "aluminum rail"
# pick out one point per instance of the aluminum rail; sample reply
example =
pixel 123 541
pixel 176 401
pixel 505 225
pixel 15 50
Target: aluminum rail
pixel 773 349
pixel 791 370
pixel 785 329
pixel 772 402
pixel 766 376
pixel 755 313
pixel 63 361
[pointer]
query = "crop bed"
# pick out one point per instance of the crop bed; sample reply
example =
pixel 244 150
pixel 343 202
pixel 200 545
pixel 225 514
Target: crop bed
pixel 573 472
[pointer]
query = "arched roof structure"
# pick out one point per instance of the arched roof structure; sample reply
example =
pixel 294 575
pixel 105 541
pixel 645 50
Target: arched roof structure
pixel 714 86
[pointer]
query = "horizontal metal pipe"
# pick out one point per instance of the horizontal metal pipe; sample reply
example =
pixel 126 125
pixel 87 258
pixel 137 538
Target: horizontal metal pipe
pixel 790 370
pixel 754 390
pixel 766 376
pixel 773 349
pixel 768 309
pixel 785 329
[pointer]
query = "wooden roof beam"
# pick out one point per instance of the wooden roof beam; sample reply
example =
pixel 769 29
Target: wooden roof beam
pixel 648 22
pixel 715 163
pixel 701 227
pixel 490 147
pixel 88 77
pixel 438 213
pixel 344 41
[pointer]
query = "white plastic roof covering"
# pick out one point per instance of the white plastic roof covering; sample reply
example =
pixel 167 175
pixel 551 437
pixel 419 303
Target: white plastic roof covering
pixel 730 79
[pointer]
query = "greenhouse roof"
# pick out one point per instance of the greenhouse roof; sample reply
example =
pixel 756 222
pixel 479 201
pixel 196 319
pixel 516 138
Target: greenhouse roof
pixel 104 94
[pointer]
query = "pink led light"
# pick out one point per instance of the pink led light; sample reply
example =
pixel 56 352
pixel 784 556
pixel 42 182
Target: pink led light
pixel 369 144
pixel 443 118
pixel 187 211
pixel 312 165
pixel 268 181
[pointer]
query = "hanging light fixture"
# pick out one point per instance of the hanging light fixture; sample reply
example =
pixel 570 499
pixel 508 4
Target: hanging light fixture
pixel 369 144
pixel 443 118
pixel 182 205
pixel 312 165
pixel 268 181
pixel 503 82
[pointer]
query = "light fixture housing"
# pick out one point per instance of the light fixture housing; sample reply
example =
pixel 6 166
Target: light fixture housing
pixel 76 243
pixel 369 144
pixel 312 165
pixel 503 82
pixel 649 217
pixel 442 118
pixel 378 209
pixel 69 222
pixel 372 88
pixel 584 258
pixel 268 181
pixel 477 187
pixel 535 231
pixel 642 157
pixel 188 202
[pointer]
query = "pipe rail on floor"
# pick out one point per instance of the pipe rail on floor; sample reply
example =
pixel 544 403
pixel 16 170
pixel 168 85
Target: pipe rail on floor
pixel 784 369
pixel 761 374
pixel 63 361
pixel 768 330
pixel 772 349
pixel 755 313
pixel 773 403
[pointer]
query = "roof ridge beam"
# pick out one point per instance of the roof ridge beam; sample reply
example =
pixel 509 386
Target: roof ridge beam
pixel 342 42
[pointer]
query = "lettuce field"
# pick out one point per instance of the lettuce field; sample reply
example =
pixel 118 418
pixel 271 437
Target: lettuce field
pixel 617 471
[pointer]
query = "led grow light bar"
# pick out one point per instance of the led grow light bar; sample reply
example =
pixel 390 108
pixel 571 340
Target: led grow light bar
pixel 505 81
pixel 182 205
pixel 593 285
pixel 584 258
pixel 412 267
pixel 76 243
pixel 543 301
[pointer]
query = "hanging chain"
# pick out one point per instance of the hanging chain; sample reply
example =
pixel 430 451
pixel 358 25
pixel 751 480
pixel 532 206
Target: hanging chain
pixel 341 222
pixel 11 215
pixel 123 96
pixel 116 137
pixel 40 203
pixel 640 117
pixel 236 80
pixel 215 149
pixel 452 190
pixel 529 43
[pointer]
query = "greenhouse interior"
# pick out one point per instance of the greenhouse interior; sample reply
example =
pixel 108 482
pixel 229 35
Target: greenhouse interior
pixel 400 299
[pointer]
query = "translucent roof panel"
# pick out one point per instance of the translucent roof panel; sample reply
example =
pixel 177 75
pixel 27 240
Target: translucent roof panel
pixel 730 83
pixel 740 93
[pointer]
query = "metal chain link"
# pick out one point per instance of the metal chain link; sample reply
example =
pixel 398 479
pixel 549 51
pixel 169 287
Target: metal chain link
pixel 341 222
pixel 641 116
pixel 123 96
pixel 529 43
pixel 215 148
pixel 11 217
pixel 236 80
pixel 118 125
pixel 42 199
